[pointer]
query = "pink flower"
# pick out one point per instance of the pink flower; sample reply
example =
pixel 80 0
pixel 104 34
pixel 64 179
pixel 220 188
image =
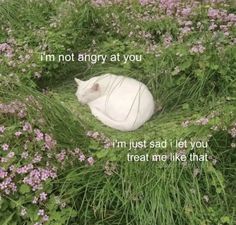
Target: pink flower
pixel 81 157
pixel 186 11
pixel 233 132
pixel 45 218
pixel 167 40
pixel 37 176
pixel 3 173
pixel 213 13
pixel 39 135
pixel 24 155
pixel 212 26
pixel 2 129
pixel 27 127
pixel 231 17
pixel 90 161
pixel 41 212
pixel 185 123
pixel 5 147
pixel 185 30
pixel 37 158
pixel 18 133
pixel 12 167
pixel 202 121
pixel 6 49
pixel 43 196
pixel 49 142
pixel 198 48
pixel 10 154
pixel 145 2
pixel 61 156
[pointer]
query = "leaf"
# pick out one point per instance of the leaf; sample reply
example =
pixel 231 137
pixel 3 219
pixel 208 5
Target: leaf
pixel 214 67
pixel 8 219
pixel 185 106
pixel 24 189
pixel 225 219
pixel 101 154
pixel 199 73
pixel 186 64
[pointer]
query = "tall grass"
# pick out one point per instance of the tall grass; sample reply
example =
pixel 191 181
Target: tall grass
pixel 137 193
pixel 65 127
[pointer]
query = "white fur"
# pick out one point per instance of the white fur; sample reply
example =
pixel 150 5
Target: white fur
pixel 119 102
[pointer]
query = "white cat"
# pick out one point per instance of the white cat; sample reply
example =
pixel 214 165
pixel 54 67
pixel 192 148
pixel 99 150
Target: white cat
pixel 119 102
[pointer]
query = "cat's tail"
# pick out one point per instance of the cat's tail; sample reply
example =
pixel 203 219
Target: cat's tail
pixel 119 125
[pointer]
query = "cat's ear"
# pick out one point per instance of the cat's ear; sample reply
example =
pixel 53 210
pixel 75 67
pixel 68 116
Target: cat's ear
pixel 95 87
pixel 78 81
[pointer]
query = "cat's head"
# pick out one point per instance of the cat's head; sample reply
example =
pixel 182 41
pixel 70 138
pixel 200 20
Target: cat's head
pixel 87 91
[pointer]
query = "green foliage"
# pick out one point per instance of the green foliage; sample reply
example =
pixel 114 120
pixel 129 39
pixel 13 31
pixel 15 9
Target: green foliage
pixel 189 85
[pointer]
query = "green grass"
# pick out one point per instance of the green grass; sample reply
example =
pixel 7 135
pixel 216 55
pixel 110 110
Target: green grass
pixel 142 193
pixel 151 192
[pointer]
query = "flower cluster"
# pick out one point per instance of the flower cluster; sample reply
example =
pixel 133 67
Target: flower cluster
pixel 6 49
pixel 30 157
pixel 105 2
pixel 100 137
pixel 37 176
pixel 232 131
pixel 197 49
pixel 202 121
pixel 110 168
pixel 169 6
pixel 15 108
pixel 19 59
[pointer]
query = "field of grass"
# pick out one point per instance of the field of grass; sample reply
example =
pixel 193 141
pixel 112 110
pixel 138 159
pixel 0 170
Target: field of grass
pixel 57 162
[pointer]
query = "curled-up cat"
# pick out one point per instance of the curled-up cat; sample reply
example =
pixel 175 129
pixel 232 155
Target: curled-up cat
pixel 119 102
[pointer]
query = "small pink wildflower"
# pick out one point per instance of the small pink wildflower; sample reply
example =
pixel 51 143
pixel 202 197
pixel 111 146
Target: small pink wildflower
pixel 186 11
pixel 41 212
pixel 61 156
pixel 39 135
pixel 37 158
pixel 27 127
pixel 2 129
pixel 45 218
pixel 167 40
pixel 6 49
pixel 198 49
pixel 185 123
pixel 81 157
pixel 90 161
pixel 10 154
pixel 5 147
pixel 12 168
pixel 43 196
pixel 3 173
pixel 24 155
pixel 49 142
pixel 18 133
pixel 202 121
